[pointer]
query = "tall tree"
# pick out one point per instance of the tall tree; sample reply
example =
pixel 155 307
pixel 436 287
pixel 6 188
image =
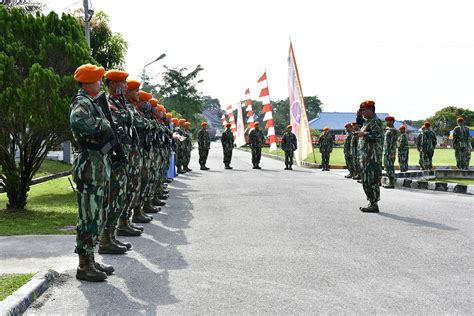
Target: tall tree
pixel 444 120
pixel 38 56
pixel 26 5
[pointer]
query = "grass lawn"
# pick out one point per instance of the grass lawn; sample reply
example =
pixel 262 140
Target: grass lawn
pixel 454 180
pixel 442 157
pixel 49 167
pixel 9 283
pixel 51 206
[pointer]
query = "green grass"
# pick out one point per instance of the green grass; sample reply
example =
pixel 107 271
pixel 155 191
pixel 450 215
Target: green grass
pixel 442 156
pixel 9 283
pixel 455 180
pixel 49 167
pixel 51 206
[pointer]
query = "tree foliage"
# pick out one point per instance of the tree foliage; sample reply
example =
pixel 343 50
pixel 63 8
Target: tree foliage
pixel 38 56
pixel 444 120
pixel 26 5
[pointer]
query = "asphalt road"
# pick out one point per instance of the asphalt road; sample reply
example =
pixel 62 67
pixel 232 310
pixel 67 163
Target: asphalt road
pixel 272 241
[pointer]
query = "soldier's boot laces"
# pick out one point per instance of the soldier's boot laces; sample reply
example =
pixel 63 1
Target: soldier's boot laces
pixel 125 229
pixel 102 267
pixel 118 242
pixel 86 270
pixel 149 208
pixel 108 246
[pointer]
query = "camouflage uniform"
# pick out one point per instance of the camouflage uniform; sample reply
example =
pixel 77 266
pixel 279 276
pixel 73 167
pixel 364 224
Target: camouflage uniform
pixel 389 153
pixel 326 144
pixel 180 154
pixel 289 144
pixel 403 151
pixel 428 144
pixel 355 156
pixel 418 147
pixel 370 158
pixel 348 153
pixel 227 141
pixel 462 146
pixel 256 140
pixel 91 170
pixel 204 144
pixel 188 147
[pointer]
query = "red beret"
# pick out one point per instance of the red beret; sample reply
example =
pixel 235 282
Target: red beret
pixel 144 96
pixel 389 118
pixel 402 127
pixel 116 75
pixel 153 102
pixel 133 84
pixel 427 124
pixel 204 124
pixel 460 120
pixel 88 73
pixel 174 120
pixel 367 103
pixel 168 115
pixel 289 126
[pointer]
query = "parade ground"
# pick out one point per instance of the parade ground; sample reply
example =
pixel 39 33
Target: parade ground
pixel 269 241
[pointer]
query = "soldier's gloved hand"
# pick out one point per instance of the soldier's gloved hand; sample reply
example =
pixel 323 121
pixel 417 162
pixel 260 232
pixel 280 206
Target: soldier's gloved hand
pixel 106 130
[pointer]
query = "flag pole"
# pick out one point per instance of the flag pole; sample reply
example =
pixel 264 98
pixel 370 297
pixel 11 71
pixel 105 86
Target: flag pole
pixel 269 102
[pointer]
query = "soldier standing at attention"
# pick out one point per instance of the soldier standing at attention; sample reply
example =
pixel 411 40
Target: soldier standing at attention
pixel 188 146
pixel 289 144
pixel 91 170
pixel 403 149
pixel 227 141
pixel 355 152
pixel 326 144
pixel 204 144
pixel 180 152
pixel 428 144
pixel 370 155
pixel 462 145
pixel 256 140
pixel 347 150
pixel 419 147
pixel 390 151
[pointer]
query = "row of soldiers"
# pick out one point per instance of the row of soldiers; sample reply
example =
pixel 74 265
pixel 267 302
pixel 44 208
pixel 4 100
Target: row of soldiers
pixel 126 145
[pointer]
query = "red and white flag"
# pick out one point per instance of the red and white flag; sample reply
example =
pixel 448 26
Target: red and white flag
pixel 224 120
pixel 240 134
pixel 267 110
pixel 298 116
pixel 248 108
pixel 230 115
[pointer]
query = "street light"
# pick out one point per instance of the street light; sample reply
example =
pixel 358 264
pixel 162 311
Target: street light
pixel 159 58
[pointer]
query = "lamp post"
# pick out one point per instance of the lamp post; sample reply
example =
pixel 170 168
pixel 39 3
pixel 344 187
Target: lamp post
pixel 159 58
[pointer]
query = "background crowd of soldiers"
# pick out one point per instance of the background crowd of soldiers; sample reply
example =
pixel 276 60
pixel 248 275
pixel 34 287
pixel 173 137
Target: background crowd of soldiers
pixel 128 147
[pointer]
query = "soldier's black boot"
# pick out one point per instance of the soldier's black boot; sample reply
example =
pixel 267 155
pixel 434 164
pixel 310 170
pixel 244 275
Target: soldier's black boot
pixel 157 202
pixel 168 180
pixel 134 226
pixel 286 166
pixel 371 208
pixel 102 267
pixel 118 242
pixel 180 170
pixel 162 196
pixel 187 168
pixel 108 246
pixel 149 208
pixel 124 229
pixel 227 166
pixel 348 176
pixel 87 271
pixel 254 166
pixel 164 191
pixel 257 166
pixel 390 184
pixel 203 167
pixel 289 167
pixel 140 217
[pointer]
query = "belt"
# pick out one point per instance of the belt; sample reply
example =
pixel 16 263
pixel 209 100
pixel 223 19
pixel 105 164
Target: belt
pixel 103 149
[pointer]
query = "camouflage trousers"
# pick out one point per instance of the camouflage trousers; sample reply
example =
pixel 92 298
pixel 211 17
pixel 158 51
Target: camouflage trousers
pixel 403 160
pixel 165 164
pixel 133 183
pixel 91 173
pixel 187 156
pixel 371 172
pixel 325 155
pixel 180 157
pixel 154 172
pixel 463 157
pixel 426 159
pixel 118 193
pixel 144 180
pixel 389 164
pixel 349 163
pixel 356 166
pixel 256 155
pixel 227 156
pixel 289 157
pixel 203 153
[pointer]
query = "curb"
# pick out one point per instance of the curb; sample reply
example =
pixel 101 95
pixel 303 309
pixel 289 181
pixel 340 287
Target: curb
pixel 422 184
pixel 45 178
pixel 21 299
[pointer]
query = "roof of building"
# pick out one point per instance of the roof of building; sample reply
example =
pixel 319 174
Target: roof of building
pixel 337 120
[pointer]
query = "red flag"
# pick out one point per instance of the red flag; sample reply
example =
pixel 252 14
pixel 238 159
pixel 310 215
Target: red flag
pixel 264 92
pixel 263 77
pixel 247 91
pixel 266 108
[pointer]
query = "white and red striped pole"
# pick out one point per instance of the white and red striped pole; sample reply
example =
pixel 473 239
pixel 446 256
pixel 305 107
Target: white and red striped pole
pixel 267 110
pixel 230 115
pixel 248 108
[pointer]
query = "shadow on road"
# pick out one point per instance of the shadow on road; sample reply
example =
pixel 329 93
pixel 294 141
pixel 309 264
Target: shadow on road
pixel 417 222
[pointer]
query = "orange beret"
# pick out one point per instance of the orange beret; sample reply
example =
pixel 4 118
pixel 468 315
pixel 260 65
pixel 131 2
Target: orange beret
pixel 326 129
pixel 116 75
pixel 133 84
pixel 153 102
pixel 427 124
pixel 88 73
pixel 181 121
pixel 389 118
pixel 348 125
pixel 161 108
pixel 187 124
pixel 164 109
pixel 289 126
pixel 204 124
pixel 367 103
pixel 168 115
pixel 144 96
pixel 402 127
pixel 256 123
pixel 174 120
pixel 460 120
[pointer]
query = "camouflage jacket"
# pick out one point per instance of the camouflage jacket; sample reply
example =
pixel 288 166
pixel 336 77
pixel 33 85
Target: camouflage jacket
pixel 289 142
pixel 347 143
pixel 256 138
pixel 354 145
pixel 402 142
pixel 122 118
pixel 428 140
pixel 227 140
pixel 326 143
pixel 390 142
pixel 188 142
pixel 418 141
pixel 204 142
pixel 371 144
pixel 461 137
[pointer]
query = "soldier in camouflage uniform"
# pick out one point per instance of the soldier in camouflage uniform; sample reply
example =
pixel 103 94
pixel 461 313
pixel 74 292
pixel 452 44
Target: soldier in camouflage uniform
pixel 390 151
pixel 355 152
pixel 370 155
pixel 188 146
pixel 347 150
pixel 462 145
pixel 91 170
pixel 204 144
pixel 289 144
pixel 256 140
pixel 326 144
pixel 161 193
pixel 403 149
pixel 428 144
pixel 419 147
pixel 227 141
pixel 180 150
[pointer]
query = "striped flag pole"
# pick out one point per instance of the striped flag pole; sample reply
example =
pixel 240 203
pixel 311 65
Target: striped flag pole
pixel 267 110
pixel 224 120
pixel 230 115
pixel 248 108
